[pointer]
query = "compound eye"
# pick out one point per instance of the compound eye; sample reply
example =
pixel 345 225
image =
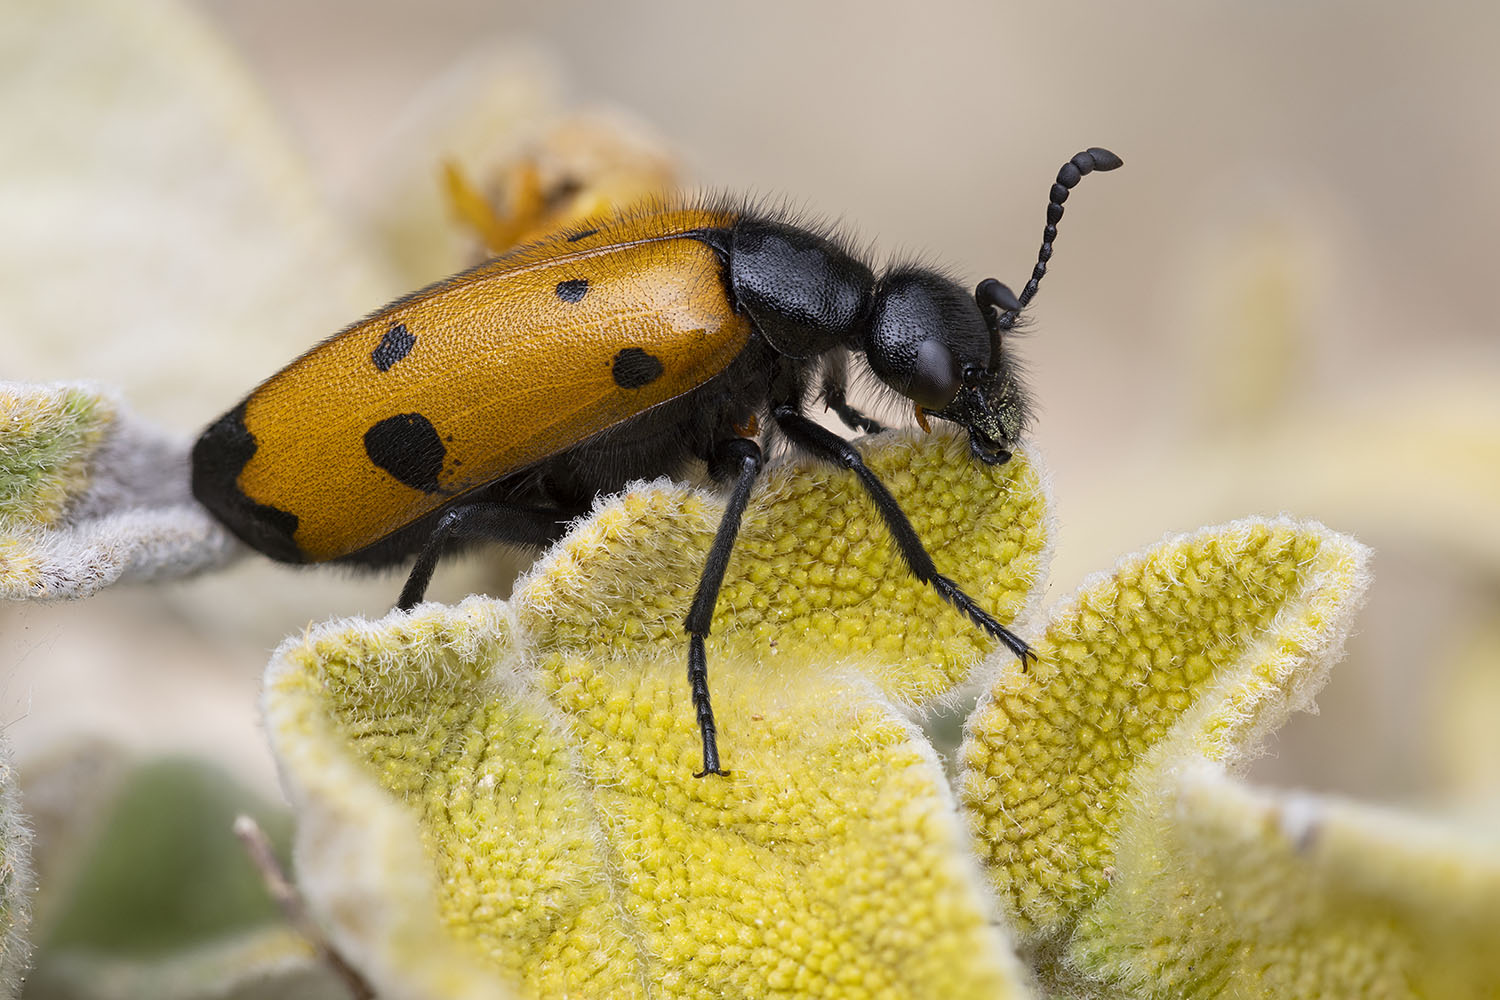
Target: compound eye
pixel 934 378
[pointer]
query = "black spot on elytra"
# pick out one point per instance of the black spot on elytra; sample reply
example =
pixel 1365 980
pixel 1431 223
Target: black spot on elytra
pixel 409 448
pixel 582 236
pixel 395 345
pixel 633 368
pixel 218 457
pixel 573 290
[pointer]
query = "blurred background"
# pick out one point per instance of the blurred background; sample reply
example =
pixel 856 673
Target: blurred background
pixel 1283 302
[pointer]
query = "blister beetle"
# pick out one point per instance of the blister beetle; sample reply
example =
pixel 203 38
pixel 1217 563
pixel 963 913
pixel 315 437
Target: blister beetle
pixel 498 403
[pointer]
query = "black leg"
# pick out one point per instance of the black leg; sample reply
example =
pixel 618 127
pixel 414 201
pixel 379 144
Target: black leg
pixel 484 519
pixel 832 448
pixel 745 457
pixel 851 417
pixel 835 388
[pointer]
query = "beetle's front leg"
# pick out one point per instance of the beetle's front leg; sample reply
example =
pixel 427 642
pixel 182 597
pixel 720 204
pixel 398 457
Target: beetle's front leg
pixel 744 457
pixel 835 393
pixel 828 446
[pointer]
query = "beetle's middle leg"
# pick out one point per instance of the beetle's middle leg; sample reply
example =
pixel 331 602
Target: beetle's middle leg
pixel 502 522
pixel 744 457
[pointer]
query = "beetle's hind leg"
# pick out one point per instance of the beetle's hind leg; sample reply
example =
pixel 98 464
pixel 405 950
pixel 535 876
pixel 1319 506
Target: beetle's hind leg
pixel 488 519
pixel 743 457
pixel 828 446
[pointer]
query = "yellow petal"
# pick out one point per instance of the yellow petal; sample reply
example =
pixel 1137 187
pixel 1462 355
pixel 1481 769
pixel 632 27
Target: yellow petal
pixel 584 166
pixel 1190 650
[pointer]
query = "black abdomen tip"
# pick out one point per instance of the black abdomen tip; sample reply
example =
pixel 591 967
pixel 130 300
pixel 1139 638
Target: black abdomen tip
pixel 219 455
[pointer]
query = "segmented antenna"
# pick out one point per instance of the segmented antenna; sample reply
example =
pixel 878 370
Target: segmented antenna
pixel 992 293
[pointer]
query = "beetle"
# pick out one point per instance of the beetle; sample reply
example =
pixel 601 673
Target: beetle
pixel 498 403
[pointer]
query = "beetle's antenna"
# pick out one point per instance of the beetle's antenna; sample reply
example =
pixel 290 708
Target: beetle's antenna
pixel 992 293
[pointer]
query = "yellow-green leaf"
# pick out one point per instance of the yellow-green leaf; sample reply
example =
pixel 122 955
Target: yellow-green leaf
pixel 16 883
pixel 1190 650
pixel 90 495
pixel 1230 892
pixel 48 435
pixel 504 793
pixel 814 572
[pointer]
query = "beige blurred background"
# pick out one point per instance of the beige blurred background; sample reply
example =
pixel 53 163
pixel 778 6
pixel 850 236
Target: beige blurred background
pixel 1284 301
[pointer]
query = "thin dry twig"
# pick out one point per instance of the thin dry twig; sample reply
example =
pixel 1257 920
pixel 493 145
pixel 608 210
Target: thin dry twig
pixel 258 846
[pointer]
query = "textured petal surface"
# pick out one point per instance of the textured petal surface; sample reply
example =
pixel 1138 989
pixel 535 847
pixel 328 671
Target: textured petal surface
pixel 814 572
pixel 1231 892
pixel 1189 651
pixel 486 796
pixel 362 857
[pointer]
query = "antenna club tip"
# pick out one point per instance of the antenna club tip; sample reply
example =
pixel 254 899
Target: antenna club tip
pixel 1101 158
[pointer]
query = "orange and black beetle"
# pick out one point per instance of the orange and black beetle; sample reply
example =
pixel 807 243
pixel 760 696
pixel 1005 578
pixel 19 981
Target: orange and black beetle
pixel 498 403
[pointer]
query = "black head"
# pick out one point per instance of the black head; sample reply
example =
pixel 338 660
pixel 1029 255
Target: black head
pixel 948 350
pixel 934 343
